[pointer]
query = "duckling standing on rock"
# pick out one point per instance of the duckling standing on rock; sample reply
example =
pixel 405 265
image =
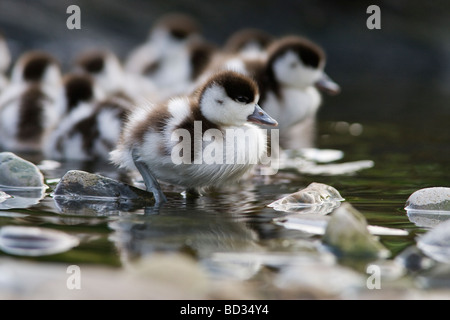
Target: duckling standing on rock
pixel 226 101
pixel 31 103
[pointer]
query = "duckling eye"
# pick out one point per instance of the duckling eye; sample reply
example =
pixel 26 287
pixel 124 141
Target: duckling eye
pixel 293 65
pixel 242 99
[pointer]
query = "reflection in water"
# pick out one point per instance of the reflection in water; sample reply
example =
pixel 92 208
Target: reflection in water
pixel 21 198
pixel 200 227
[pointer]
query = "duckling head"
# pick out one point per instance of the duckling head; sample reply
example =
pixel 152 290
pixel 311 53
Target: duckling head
pixel 231 99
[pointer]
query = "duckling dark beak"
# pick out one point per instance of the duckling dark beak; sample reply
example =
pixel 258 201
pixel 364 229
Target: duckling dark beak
pixel 327 85
pixel 261 117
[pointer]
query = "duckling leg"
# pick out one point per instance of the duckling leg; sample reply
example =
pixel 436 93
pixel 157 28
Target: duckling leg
pixel 150 181
pixel 192 193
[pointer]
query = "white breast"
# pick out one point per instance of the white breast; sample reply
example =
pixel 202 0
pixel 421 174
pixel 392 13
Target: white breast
pixel 222 156
pixel 294 107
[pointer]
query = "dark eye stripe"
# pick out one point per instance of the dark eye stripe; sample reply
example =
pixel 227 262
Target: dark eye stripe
pixel 242 99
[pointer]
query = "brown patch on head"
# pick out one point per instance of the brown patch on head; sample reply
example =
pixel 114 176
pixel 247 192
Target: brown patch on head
pixel 179 25
pixel 201 55
pixel 92 62
pixel 31 115
pixel 238 40
pixel 237 86
pixel 35 63
pixel 79 88
pixel 309 53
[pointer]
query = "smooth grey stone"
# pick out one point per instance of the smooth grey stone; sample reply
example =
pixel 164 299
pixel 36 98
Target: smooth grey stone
pixel 18 172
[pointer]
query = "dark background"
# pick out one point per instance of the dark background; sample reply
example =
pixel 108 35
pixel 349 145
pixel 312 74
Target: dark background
pixel 398 73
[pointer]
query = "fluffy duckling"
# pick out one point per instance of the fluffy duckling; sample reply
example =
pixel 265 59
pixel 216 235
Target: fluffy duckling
pixel 288 78
pixel 173 56
pixel 5 60
pixel 92 125
pixel 30 105
pixel 151 137
pixel 294 71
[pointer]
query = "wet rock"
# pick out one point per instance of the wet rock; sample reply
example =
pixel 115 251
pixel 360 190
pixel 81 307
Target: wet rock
pixel 31 241
pixel 429 201
pixel 436 242
pixel 100 195
pixel 347 234
pixel 315 198
pixel 17 172
pixel 82 184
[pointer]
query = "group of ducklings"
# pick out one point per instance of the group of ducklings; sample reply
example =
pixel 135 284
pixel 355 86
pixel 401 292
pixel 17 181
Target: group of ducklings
pixel 128 111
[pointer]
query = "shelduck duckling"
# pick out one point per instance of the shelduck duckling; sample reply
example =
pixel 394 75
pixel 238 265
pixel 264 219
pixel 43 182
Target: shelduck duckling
pixel 294 71
pixel 92 124
pixel 288 78
pixel 110 77
pixel 248 42
pixel 29 106
pixel 5 60
pixel 151 138
pixel 173 56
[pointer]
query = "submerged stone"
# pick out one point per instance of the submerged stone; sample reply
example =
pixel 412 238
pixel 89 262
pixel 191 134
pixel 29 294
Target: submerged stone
pixel 32 241
pixel 18 172
pixel 429 201
pixel 348 235
pixel 436 242
pixel 316 197
pixel 307 223
pixel 316 225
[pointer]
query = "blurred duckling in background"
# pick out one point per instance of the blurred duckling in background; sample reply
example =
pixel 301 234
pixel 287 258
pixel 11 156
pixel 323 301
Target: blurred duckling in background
pixel 228 100
pixel 110 77
pixel 92 124
pixel 174 55
pixel 294 72
pixel 32 102
pixel 288 76
pixel 5 61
